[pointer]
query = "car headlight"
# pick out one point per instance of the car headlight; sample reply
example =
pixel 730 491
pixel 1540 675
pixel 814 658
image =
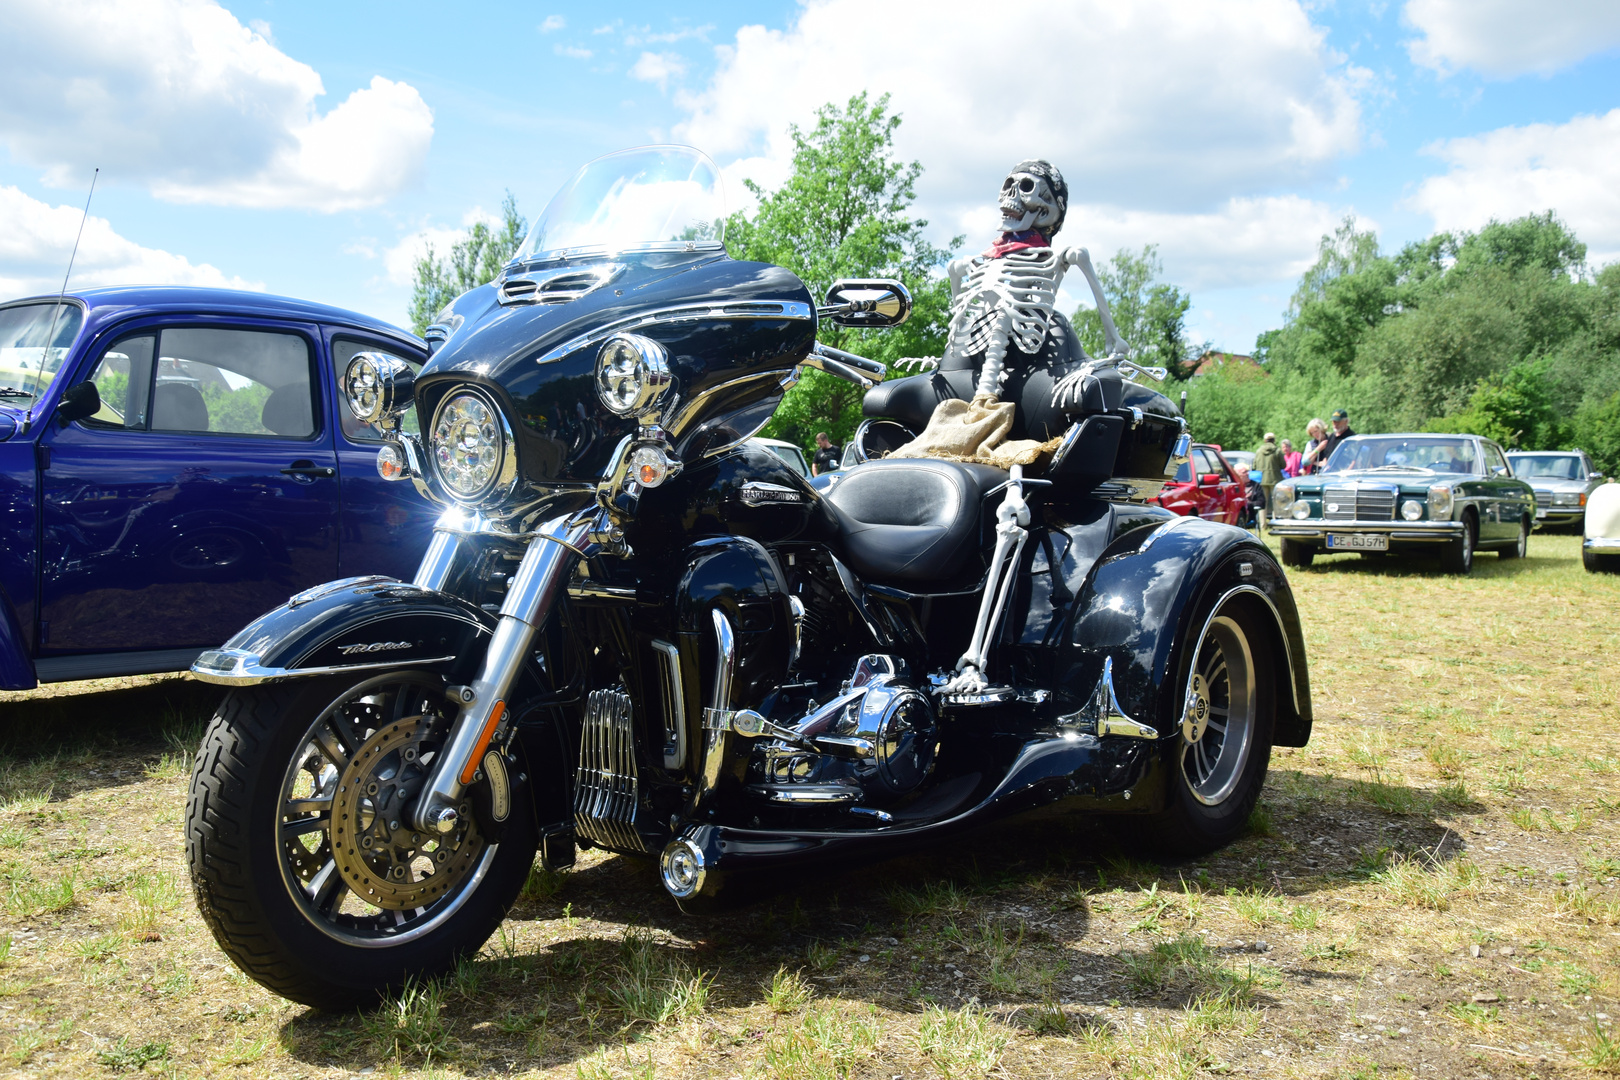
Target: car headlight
pixel 632 375
pixel 1282 498
pixel 378 386
pixel 473 449
pixel 1411 510
pixel 1302 509
pixel 1440 502
pixel 1566 498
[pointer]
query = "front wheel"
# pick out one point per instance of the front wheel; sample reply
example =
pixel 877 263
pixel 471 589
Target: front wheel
pixel 303 859
pixel 1297 553
pixel 1223 743
pixel 1457 557
pixel 1599 564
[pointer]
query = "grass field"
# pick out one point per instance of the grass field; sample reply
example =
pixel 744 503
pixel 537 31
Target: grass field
pixel 1430 889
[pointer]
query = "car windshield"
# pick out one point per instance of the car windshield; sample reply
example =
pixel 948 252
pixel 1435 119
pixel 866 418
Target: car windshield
pixel 652 198
pixel 26 365
pixel 1550 466
pixel 1437 454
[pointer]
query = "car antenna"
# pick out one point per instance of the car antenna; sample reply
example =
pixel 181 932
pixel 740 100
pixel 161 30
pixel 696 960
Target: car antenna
pixel 61 297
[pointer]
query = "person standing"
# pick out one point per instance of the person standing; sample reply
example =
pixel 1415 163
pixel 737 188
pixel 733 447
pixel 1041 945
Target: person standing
pixel 827 455
pixel 1290 459
pixel 1341 432
pixel 1268 461
pixel 1315 434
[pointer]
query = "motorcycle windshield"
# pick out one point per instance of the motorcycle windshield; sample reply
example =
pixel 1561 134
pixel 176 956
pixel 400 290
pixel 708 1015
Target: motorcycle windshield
pixel 652 198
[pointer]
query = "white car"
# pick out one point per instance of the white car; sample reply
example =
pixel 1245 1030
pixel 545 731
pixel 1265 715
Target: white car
pixel 788 452
pixel 1601 548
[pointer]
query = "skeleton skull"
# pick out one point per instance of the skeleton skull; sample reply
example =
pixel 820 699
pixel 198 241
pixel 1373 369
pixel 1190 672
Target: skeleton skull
pixel 1033 196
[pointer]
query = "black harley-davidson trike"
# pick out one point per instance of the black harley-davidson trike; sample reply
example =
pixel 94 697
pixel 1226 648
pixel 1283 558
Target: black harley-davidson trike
pixel 635 631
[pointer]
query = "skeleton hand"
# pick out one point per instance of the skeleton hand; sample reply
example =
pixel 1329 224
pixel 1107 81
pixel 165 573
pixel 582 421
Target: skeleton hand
pixel 1071 388
pixel 918 363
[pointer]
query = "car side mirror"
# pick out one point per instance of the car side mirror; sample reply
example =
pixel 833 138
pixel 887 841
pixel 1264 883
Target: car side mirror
pixel 1597 476
pixel 1210 478
pixel 79 401
pixel 869 303
pixel 1499 470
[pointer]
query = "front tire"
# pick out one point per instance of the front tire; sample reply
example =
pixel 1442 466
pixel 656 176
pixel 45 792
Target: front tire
pixel 1457 557
pixel 302 866
pixel 1599 564
pixel 1225 720
pixel 1297 553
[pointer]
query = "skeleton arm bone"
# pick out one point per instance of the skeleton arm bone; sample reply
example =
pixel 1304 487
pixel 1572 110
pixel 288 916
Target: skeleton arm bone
pixel 1079 256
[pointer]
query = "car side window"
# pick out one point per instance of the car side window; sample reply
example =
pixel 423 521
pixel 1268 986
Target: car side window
pixel 233 382
pixel 1494 460
pixel 123 379
pixel 1205 463
pixel 344 350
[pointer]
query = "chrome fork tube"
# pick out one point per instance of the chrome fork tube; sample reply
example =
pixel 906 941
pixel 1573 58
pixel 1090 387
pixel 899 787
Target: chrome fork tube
pixel 717 717
pixel 437 560
pixel 540 578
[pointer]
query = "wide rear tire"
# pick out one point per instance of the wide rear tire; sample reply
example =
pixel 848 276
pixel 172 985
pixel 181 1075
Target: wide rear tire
pixel 262 863
pixel 1216 777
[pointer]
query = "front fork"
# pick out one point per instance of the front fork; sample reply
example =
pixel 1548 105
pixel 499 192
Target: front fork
pixel 541 576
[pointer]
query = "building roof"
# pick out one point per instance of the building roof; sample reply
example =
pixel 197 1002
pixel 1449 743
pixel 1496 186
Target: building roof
pixel 1213 360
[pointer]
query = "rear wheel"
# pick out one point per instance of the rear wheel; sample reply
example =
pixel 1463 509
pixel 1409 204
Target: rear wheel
pixel 1600 564
pixel 1223 745
pixel 1457 557
pixel 1297 553
pixel 303 859
pixel 1521 545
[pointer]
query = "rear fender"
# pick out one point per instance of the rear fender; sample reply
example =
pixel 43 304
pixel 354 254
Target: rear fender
pixel 1149 593
pixel 353 625
pixel 16 669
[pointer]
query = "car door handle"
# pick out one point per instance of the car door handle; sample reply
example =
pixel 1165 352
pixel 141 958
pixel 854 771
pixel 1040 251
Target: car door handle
pixel 306 470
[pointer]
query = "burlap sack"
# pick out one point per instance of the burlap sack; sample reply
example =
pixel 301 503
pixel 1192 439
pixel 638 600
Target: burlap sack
pixel 975 431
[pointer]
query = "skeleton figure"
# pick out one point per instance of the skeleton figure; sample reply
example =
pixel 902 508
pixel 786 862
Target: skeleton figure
pixel 1006 296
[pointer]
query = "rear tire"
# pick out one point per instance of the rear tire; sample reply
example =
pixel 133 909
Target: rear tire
pixel 1457 557
pixel 1600 564
pixel 1522 545
pixel 1216 777
pixel 1297 553
pixel 277 900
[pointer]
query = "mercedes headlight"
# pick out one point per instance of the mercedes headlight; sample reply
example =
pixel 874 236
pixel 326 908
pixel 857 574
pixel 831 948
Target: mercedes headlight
pixel 473 450
pixel 1411 510
pixel 1282 498
pixel 632 375
pixel 1440 502
pixel 1302 509
pixel 378 386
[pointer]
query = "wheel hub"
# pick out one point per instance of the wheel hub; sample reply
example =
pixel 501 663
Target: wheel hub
pixel 383 859
pixel 1195 718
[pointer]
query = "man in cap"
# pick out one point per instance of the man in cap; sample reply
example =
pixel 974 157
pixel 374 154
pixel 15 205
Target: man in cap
pixel 1341 431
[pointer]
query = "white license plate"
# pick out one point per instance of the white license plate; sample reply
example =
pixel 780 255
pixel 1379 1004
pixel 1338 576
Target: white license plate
pixel 1541 513
pixel 1357 542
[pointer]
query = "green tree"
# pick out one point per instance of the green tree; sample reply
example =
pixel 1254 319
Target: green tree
pixel 1151 315
pixel 474 259
pixel 845 211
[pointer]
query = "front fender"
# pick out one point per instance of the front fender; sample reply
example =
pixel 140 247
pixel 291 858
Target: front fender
pixel 1149 593
pixel 16 669
pixel 352 625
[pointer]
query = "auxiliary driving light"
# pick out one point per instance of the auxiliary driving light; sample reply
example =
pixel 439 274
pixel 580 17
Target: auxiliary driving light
pixel 378 387
pixel 1302 510
pixel 1411 510
pixel 632 375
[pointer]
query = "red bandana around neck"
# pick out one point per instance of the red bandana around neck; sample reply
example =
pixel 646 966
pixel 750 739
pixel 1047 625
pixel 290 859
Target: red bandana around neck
pixel 1016 241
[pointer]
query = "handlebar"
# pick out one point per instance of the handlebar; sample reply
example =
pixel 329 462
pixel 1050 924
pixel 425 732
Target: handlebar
pixel 856 369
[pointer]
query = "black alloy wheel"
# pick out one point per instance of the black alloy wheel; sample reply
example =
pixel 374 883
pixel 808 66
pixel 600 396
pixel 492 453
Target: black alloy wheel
pixel 1457 557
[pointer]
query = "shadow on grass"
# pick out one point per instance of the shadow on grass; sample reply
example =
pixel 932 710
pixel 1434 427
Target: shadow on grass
pixel 1420 564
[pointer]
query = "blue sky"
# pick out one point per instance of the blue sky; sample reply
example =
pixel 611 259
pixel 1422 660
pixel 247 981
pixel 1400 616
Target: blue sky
pixel 313 149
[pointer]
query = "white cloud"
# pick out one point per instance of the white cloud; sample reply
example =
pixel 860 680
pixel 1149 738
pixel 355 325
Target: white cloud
pixel 1173 105
pixel 1573 169
pixel 1505 38
pixel 37 238
pixel 399 261
pixel 658 68
pixel 553 23
pixel 573 52
pixel 179 96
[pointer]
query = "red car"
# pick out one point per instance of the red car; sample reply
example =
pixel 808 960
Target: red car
pixel 1205 485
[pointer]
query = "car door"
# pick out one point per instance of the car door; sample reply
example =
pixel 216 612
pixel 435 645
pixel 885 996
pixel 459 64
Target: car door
pixel 387 524
pixel 1207 476
pixel 1504 495
pixel 202 494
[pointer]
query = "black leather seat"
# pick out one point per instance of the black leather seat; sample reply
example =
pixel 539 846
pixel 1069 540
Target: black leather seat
pixel 911 520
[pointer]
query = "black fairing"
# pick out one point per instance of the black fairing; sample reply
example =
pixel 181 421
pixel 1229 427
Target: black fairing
pixel 708 499
pixel 564 434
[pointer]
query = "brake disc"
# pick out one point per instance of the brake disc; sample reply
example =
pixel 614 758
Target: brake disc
pixel 384 859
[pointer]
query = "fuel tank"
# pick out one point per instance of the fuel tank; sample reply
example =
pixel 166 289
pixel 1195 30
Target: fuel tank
pixel 734 332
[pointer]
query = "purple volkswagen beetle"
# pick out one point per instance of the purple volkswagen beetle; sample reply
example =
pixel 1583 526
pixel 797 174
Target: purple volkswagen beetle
pixel 175 461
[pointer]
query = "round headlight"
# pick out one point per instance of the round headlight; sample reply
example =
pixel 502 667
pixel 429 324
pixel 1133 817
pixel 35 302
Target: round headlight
pixel 632 375
pixel 1411 510
pixel 1440 502
pixel 1282 498
pixel 1302 510
pixel 472 447
pixel 378 386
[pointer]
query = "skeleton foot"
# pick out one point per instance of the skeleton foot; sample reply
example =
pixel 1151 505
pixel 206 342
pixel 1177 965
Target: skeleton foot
pixel 918 364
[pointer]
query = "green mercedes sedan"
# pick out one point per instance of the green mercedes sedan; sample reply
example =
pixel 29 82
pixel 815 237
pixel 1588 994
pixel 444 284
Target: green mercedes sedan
pixel 1450 495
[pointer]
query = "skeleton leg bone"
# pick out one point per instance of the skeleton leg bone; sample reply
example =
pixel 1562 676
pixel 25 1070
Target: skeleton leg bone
pixel 1012 520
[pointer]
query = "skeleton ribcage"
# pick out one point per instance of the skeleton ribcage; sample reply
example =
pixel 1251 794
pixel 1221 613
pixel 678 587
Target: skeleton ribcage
pixel 1023 284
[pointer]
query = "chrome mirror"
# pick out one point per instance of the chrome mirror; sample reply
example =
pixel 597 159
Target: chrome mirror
pixel 870 303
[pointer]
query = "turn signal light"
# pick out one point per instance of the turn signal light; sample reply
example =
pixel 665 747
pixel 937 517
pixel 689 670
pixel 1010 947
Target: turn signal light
pixel 650 466
pixel 390 462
